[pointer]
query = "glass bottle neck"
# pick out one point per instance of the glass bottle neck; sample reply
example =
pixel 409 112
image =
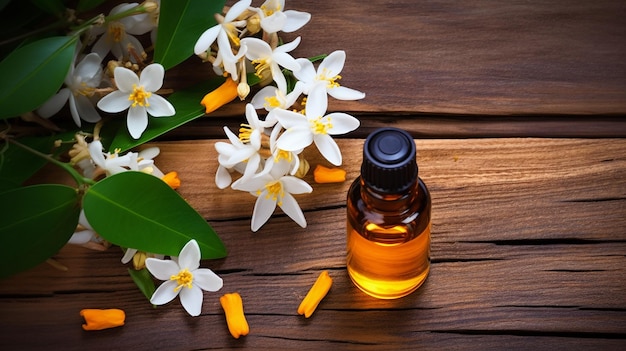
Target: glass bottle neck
pixel 385 202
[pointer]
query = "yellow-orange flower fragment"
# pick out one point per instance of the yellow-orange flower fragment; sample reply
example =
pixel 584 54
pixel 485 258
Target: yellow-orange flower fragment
pixel 219 97
pixel 236 320
pixel 97 319
pixel 315 295
pixel 323 174
pixel 172 180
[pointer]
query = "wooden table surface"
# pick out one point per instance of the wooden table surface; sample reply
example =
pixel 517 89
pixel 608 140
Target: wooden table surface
pixel 519 113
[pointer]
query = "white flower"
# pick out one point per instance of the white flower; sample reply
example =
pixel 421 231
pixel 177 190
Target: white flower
pixel 274 188
pixel 274 19
pixel 242 153
pixel 225 32
pixel 315 127
pixel 264 58
pixel 117 37
pixel 327 76
pixel 81 83
pixel 136 94
pixel 111 163
pixel 183 278
pixel 271 99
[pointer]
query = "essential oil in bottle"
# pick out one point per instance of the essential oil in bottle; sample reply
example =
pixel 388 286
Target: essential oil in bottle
pixel 388 224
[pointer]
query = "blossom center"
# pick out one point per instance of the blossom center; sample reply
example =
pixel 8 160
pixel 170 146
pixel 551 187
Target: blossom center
pixel 268 11
pixel 232 33
pixel 275 191
pixel 116 31
pixel 139 96
pixel 282 155
pixel 320 127
pixel 245 132
pixel 332 81
pixel 184 278
pixel 272 102
pixel 261 66
pixel 85 90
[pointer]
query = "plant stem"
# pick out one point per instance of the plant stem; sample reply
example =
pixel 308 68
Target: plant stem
pixel 78 178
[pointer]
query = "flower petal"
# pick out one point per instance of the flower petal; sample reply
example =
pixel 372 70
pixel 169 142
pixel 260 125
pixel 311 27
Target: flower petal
pixel 328 148
pixel 165 293
pixel 306 73
pixel 343 93
pixel 207 280
pixel 189 257
pixel 128 255
pixel 317 101
pixel 191 299
pixel 89 66
pixel 222 177
pixel 158 106
pixel 137 121
pixel 294 185
pixel 274 23
pixel 206 39
pixel 294 139
pixel 116 101
pixel 85 109
pixel 54 104
pixel 263 209
pixel 236 10
pixel 162 269
pixel 332 64
pixel 152 77
pixel 256 48
pixel 290 206
pixel 295 20
pixel 341 123
pixel 125 79
pixel 290 119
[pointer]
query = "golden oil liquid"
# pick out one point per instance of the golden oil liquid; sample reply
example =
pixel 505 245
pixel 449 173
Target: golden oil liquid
pixel 388 262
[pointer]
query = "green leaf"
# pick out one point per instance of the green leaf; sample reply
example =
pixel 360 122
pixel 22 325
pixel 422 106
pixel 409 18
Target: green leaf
pixel 53 7
pixel 138 210
pixel 181 22
pixel 187 105
pixel 33 73
pixel 35 222
pixel 17 165
pixel 84 5
pixel 143 280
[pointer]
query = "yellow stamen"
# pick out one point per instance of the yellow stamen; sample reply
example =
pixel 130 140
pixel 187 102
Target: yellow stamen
pixel 139 96
pixel 261 66
pixel 275 191
pixel 282 155
pixel 320 127
pixel 332 81
pixel 232 33
pixel 116 31
pixel 172 180
pixel 85 90
pixel 139 260
pixel 219 97
pixel 315 295
pixel 245 131
pixel 270 11
pixel 236 320
pixel 102 319
pixel 323 174
pixel 184 278
pixel 271 102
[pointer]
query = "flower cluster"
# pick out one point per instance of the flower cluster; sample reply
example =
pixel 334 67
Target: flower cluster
pixel 267 152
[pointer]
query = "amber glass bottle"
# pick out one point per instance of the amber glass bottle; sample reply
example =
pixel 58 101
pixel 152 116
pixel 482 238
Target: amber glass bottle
pixel 388 243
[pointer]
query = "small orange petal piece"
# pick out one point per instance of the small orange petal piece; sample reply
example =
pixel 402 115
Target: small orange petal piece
pixel 236 320
pixel 315 295
pixel 172 180
pixel 323 174
pixel 102 319
pixel 219 97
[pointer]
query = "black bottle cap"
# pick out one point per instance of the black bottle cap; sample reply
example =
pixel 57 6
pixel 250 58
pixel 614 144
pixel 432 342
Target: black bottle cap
pixel 389 165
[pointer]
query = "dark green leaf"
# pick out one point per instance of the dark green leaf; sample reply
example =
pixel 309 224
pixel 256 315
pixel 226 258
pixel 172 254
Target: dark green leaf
pixel 138 210
pixel 53 7
pixel 35 222
pixel 84 5
pixel 33 73
pixel 188 108
pixel 17 164
pixel 181 22
pixel 143 280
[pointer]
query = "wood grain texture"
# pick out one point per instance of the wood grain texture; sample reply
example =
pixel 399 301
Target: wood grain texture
pixel 482 57
pixel 528 250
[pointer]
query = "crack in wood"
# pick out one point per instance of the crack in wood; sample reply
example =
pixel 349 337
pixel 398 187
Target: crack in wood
pixel 536 333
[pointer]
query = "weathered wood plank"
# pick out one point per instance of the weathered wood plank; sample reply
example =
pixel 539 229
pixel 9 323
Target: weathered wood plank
pixel 481 57
pixel 528 251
